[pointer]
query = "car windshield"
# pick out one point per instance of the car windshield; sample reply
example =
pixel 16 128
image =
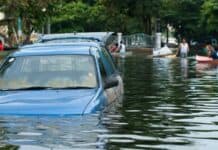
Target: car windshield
pixel 56 71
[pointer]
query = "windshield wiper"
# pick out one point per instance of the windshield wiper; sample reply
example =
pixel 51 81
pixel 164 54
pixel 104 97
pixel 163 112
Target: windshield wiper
pixel 47 88
pixel 75 87
pixel 28 88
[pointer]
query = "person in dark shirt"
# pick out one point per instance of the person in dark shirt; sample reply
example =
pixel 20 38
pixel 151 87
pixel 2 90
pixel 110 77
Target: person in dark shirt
pixel 211 52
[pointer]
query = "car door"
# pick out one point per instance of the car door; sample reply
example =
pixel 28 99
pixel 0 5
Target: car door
pixel 108 70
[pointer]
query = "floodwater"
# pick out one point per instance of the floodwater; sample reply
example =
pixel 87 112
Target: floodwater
pixel 169 103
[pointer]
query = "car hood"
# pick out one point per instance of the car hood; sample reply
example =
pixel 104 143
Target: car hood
pixel 50 102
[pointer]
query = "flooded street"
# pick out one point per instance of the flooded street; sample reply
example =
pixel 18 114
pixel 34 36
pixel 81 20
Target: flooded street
pixel 169 103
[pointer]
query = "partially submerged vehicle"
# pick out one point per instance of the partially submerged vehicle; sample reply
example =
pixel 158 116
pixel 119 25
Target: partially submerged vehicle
pixel 59 79
pixel 103 38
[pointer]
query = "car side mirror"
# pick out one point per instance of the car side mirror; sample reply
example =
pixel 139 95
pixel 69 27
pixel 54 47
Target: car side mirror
pixel 111 82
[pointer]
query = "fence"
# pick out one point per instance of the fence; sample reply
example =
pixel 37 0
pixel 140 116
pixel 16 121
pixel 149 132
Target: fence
pixel 139 40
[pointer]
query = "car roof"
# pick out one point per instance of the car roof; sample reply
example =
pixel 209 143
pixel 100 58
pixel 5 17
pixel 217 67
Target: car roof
pixel 57 48
pixel 97 36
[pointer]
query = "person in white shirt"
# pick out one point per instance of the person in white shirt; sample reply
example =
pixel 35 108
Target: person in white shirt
pixel 183 48
pixel 122 47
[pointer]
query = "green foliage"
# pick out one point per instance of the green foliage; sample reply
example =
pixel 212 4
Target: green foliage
pixel 79 16
pixel 99 15
pixel 183 15
pixel 141 11
pixel 209 14
pixel 33 13
pixel 190 18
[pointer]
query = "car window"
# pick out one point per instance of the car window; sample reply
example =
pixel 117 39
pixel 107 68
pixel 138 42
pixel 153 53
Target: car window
pixel 102 69
pixel 56 71
pixel 107 62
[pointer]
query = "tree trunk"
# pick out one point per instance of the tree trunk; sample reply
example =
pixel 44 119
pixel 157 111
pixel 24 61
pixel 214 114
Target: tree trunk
pixel 28 31
pixel 167 35
pixel 147 24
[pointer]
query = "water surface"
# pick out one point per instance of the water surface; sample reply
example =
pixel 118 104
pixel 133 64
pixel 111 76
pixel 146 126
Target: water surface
pixel 169 103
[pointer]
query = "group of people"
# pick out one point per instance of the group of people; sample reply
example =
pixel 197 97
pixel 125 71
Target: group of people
pixel 117 48
pixel 184 49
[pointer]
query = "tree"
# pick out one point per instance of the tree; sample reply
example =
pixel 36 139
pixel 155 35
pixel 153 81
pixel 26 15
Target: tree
pixel 31 12
pixel 183 15
pixel 209 14
pixel 140 13
pixel 79 16
pixel 188 17
pixel 147 11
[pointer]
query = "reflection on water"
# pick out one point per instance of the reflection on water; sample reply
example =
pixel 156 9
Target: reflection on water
pixel 184 66
pixel 169 104
pixel 51 132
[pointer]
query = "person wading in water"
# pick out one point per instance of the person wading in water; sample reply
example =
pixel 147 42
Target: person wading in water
pixel 183 49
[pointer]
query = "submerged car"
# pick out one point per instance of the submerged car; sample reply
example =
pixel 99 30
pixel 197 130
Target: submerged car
pixel 103 38
pixel 59 79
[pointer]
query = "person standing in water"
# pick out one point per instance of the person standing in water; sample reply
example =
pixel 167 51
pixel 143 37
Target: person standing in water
pixel 122 47
pixel 183 48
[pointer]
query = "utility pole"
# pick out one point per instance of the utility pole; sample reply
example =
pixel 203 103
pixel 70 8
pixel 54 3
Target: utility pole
pixel 19 30
pixel 119 38
pixel 158 35
pixel 48 25
pixel 19 27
